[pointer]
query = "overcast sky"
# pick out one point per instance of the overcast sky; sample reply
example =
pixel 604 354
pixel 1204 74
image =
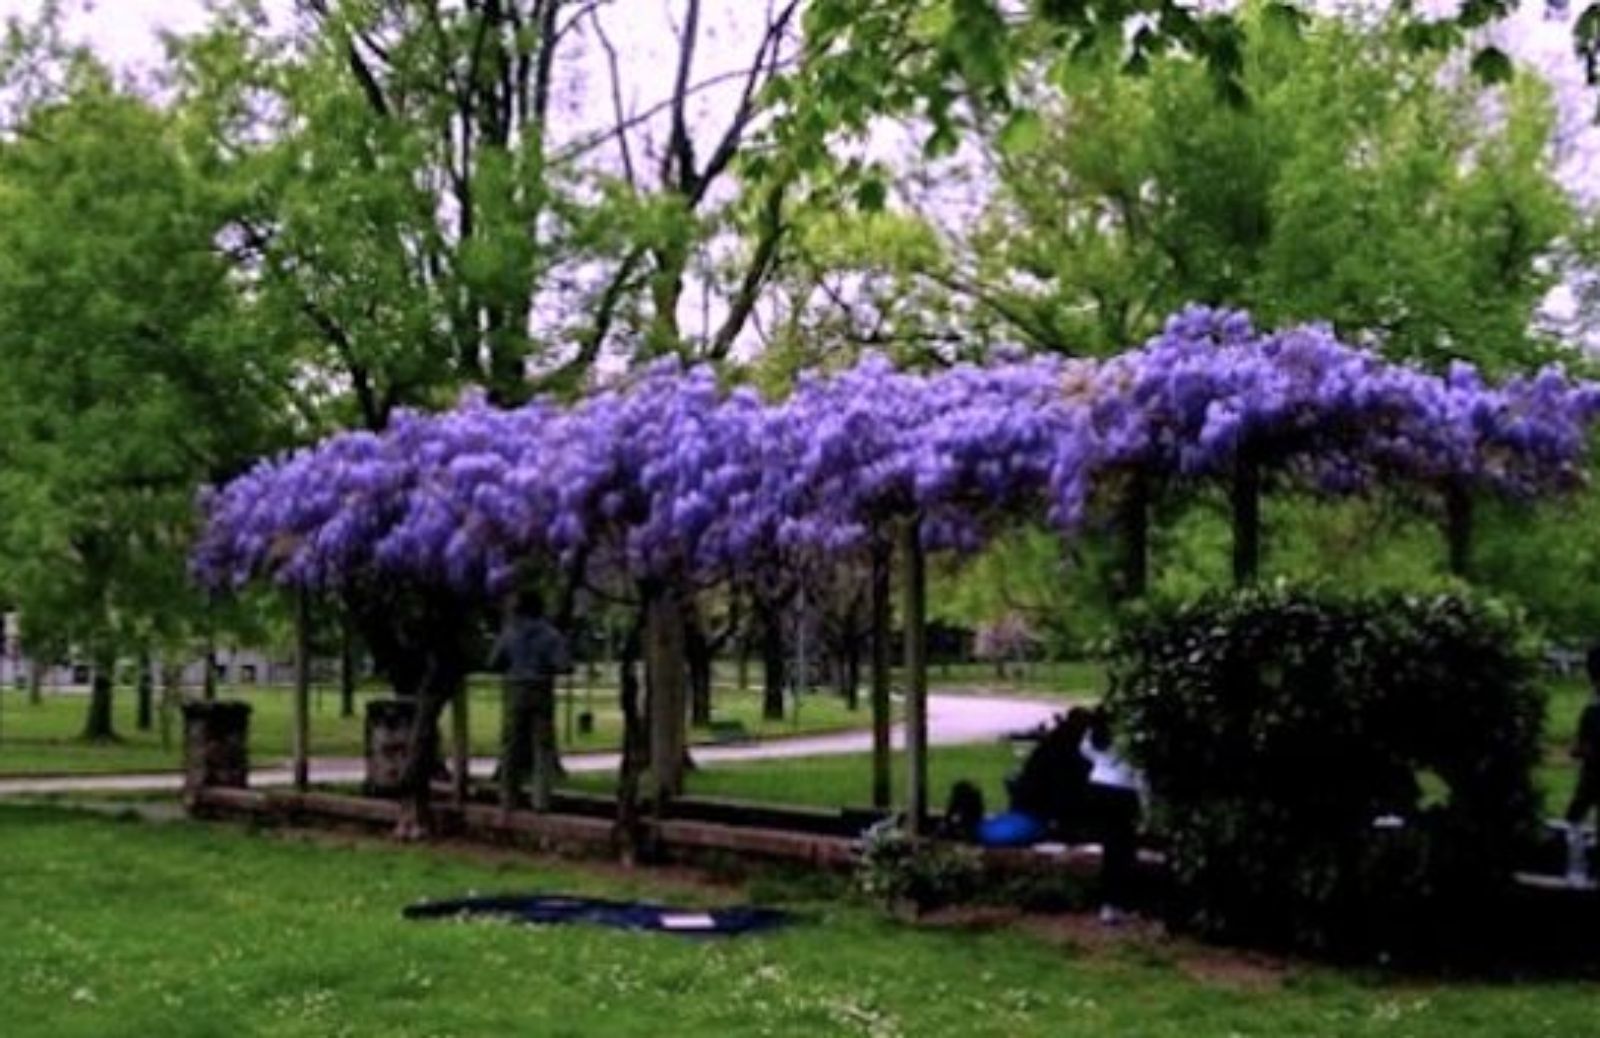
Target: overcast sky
pixel 127 32
pixel 123 30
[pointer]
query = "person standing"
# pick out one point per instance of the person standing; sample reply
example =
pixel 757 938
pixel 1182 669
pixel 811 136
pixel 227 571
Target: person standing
pixel 1586 797
pixel 531 653
pixel 1115 788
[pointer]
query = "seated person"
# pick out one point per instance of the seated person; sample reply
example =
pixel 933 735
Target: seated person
pixel 1052 784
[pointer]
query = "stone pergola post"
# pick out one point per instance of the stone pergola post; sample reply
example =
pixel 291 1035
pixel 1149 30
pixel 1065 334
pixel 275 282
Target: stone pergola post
pixel 216 746
pixel 388 736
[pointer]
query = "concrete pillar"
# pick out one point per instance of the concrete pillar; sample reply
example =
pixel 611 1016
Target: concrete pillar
pixel 216 745
pixel 388 735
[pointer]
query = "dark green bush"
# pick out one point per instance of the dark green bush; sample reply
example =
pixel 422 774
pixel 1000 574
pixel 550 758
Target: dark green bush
pixel 1275 726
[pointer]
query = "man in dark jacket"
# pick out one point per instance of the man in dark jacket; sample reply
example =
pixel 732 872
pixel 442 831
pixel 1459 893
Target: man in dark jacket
pixel 531 653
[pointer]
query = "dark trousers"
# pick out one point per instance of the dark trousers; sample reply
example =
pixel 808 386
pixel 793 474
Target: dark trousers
pixel 1587 796
pixel 528 740
pixel 1116 815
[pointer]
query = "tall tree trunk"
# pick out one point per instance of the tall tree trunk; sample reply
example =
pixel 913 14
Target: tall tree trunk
pixel 665 673
pixel 1246 501
pixel 772 662
pixel 916 599
pixel 697 648
pixel 852 672
pixel 442 683
pixel 208 679
pixel 1134 524
pixel 881 786
pixel 171 696
pixel 97 726
pixel 35 681
pixel 300 729
pixel 1458 529
pixel 347 665
pixel 635 745
pixel 147 692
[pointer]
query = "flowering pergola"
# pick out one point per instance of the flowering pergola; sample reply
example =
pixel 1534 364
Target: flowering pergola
pixel 671 483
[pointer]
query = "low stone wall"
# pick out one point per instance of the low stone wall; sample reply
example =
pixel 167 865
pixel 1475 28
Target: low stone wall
pixel 565 833
pixel 217 780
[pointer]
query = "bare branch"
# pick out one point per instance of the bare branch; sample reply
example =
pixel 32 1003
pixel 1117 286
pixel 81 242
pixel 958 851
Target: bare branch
pixel 762 69
pixel 680 147
pixel 605 313
pixel 1024 323
pixel 617 107
pixel 578 149
pixel 755 276
pixel 549 35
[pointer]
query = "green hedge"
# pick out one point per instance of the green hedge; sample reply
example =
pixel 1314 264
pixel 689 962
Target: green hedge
pixel 1275 726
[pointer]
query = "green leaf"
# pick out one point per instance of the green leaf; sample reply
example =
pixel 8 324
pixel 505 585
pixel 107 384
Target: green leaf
pixel 871 194
pixel 1022 134
pixel 942 142
pixel 1283 16
pixel 1492 65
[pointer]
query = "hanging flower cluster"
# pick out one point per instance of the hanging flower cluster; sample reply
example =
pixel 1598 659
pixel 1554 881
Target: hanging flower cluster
pixel 1211 392
pixel 674 478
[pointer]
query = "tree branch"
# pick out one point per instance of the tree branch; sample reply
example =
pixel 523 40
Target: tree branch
pixel 755 275
pixel 680 148
pixel 370 87
pixel 761 71
pixel 617 107
pixel 578 149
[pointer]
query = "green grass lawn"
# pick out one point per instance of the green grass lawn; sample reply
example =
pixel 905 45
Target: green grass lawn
pixel 838 780
pixel 132 929
pixel 1075 679
pixel 846 779
pixel 43 738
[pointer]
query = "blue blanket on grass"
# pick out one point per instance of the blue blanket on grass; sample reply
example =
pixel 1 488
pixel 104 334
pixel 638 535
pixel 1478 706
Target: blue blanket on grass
pixel 554 909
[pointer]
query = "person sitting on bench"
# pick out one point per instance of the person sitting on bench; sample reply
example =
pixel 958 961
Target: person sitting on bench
pixel 1053 782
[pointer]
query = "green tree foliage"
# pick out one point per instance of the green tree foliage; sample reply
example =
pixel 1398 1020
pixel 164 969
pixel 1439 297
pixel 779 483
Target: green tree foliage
pixel 1029 574
pixel 126 386
pixel 1365 183
pixel 386 163
pixel 427 198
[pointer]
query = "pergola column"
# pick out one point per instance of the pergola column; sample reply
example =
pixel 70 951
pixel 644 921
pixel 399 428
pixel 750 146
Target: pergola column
pixel 302 690
pixel 882 555
pixel 916 602
pixel 460 736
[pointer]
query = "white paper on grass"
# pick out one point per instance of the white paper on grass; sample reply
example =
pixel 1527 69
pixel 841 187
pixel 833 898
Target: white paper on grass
pixel 688 921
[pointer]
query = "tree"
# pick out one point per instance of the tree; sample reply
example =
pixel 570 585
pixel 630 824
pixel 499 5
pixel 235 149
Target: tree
pixel 1361 184
pixel 125 385
pixel 426 197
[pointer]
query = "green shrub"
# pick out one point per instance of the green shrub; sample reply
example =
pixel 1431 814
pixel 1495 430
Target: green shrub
pixel 1275 726
pixel 895 868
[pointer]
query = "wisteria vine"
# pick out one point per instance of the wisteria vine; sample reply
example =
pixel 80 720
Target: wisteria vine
pixel 672 477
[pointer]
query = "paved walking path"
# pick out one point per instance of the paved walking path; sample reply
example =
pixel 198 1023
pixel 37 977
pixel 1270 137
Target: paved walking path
pixel 952 720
